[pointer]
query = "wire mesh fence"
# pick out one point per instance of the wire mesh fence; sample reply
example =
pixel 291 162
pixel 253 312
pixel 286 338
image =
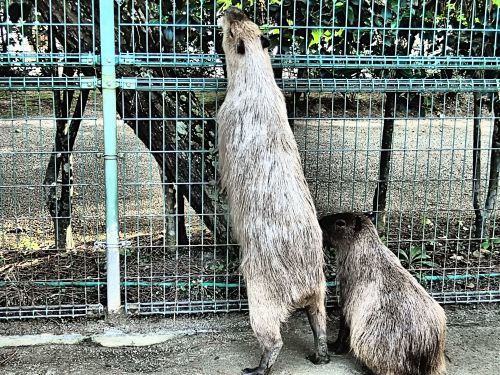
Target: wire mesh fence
pixel 394 105
pixel 37 277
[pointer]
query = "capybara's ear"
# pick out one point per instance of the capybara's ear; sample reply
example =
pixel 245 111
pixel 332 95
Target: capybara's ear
pixel 324 223
pixel 359 224
pixel 265 42
pixel 241 47
pixel 370 215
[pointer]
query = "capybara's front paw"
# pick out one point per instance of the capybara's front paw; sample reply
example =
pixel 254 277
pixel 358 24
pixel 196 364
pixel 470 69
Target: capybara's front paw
pixel 339 346
pixel 255 371
pixel 318 359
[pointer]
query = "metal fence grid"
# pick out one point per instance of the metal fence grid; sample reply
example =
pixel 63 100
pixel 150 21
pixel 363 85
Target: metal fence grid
pixel 416 81
pixel 37 278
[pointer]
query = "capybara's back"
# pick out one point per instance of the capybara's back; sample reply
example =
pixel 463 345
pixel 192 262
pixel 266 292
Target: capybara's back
pixel 396 328
pixel 271 208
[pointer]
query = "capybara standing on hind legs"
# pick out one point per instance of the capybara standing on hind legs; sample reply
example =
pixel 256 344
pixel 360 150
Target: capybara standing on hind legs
pixel 388 319
pixel 271 208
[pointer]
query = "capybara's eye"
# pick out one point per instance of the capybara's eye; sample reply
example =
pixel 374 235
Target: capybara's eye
pixel 231 34
pixel 241 48
pixel 340 223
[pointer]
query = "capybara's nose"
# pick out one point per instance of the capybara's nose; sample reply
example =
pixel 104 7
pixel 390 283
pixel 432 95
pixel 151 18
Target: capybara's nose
pixel 234 14
pixel 340 223
pixel 232 10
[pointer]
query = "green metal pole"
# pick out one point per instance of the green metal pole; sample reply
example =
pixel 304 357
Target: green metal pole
pixel 109 84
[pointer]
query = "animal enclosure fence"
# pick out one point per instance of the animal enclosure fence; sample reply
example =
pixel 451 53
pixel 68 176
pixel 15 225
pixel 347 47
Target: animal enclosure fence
pixel 108 161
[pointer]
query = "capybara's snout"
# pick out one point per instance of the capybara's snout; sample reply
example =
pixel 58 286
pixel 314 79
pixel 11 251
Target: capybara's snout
pixel 339 224
pixel 233 14
pixel 333 223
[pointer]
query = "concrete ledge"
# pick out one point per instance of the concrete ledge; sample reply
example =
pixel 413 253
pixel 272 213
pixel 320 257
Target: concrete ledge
pixel 111 338
pixel 42 339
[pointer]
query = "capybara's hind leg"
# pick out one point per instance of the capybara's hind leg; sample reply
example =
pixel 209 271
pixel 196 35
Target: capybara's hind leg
pixel 266 326
pixel 341 345
pixel 317 319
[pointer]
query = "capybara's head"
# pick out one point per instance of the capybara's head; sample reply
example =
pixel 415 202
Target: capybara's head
pixel 241 35
pixel 348 226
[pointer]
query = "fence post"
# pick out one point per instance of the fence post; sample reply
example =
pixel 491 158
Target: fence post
pixel 109 84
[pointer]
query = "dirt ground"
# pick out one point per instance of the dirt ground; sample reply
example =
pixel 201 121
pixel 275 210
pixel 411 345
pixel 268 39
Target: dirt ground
pixel 224 344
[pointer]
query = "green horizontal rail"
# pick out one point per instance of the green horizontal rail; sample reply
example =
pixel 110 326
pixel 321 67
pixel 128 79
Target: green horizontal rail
pixel 42 59
pixel 187 60
pixel 60 284
pixel 312 26
pixel 320 61
pixel 48 83
pixel 212 25
pixel 337 85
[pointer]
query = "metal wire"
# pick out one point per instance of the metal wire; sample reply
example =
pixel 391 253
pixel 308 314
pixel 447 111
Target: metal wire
pixel 326 85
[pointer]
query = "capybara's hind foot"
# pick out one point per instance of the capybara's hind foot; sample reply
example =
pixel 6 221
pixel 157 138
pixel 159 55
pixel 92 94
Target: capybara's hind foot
pixel 255 371
pixel 339 346
pixel 319 359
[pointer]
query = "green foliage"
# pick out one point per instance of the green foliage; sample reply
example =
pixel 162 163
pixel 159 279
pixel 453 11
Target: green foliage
pixel 224 4
pixel 426 221
pixel 215 266
pixel 489 243
pixel 356 27
pixel 125 251
pixel 181 127
pixel 27 243
pixel 416 256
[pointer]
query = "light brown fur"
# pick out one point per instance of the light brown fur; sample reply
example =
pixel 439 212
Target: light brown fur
pixel 271 208
pixel 396 328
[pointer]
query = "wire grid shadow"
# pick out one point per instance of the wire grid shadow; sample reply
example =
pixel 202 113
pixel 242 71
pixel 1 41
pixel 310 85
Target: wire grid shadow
pixel 339 64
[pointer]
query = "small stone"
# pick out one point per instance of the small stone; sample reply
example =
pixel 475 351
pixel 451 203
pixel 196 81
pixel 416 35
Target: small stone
pixel 480 253
pixel 16 230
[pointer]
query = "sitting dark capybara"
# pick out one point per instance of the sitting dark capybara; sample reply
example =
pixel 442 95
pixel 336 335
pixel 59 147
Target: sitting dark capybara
pixel 388 320
pixel 271 208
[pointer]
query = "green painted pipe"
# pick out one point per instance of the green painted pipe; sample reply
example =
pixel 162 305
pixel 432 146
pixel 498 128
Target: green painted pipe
pixel 109 85
pixel 461 277
pixel 205 284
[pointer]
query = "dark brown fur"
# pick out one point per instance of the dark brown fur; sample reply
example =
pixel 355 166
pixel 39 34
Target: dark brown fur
pixel 389 321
